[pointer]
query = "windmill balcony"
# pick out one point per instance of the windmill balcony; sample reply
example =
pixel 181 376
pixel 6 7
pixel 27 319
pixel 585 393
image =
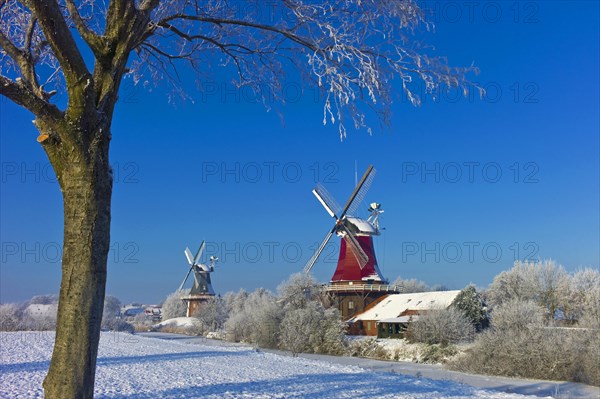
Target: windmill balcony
pixel 362 287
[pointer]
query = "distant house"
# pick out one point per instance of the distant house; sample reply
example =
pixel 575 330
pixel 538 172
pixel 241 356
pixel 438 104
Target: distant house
pixel 390 316
pixel 132 310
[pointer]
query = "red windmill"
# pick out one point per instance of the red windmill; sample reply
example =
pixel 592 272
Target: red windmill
pixel 357 270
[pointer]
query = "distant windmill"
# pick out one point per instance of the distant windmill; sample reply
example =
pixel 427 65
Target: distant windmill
pixel 202 289
pixel 357 280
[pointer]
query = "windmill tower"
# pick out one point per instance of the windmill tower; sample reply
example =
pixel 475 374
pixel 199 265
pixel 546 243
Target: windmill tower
pixel 202 289
pixel 357 280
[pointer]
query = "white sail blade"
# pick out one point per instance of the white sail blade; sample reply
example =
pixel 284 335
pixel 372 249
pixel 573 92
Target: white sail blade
pixel 185 279
pixel 311 262
pixel 188 255
pixel 327 200
pixel 199 253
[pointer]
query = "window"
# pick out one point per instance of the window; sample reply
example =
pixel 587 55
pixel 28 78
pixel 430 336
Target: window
pixel 350 304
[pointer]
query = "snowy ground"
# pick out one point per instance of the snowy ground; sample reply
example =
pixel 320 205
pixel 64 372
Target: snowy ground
pixel 135 367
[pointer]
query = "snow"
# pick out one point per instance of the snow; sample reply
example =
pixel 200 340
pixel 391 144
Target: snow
pixel 394 305
pixel 183 322
pixel 135 367
pixel 41 310
pixel 362 225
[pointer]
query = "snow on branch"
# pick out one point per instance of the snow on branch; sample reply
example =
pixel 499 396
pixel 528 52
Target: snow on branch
pixel 354 51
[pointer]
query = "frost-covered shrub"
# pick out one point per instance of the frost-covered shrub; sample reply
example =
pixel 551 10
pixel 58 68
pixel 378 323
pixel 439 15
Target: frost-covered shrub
pixel 367 347
pixel 115 324
pixel 173 306
pixel 410 286
pixel 545 283
pixel 141 322
pixel 300 329
pixel 312 329
pixel 441 326
pixel 257 319
pixel 517 315
pixel 298 290
pixel 585 297
pixel 111 310
pixel 212 315
pixel 519 345
pixel 333 338
pixel 10 316
pixel 436 353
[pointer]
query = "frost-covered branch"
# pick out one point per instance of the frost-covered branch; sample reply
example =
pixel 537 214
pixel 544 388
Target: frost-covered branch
pixel 356 53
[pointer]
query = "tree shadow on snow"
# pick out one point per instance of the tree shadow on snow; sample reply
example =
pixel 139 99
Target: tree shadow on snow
pixel 313 386
pixel 102 361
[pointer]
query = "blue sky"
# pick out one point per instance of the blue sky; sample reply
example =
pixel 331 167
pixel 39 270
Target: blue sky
pixel 467 185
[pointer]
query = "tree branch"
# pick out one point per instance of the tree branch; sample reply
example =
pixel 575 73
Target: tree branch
pixel 93 40
pixel 220 21
pixel 13 51
pixel 59 37
pixel 21 95
pixel 23 58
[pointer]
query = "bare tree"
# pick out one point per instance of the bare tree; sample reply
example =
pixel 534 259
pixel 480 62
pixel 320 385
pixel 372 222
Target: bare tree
pixel 544 282
pixel 299 289
pixel 350 50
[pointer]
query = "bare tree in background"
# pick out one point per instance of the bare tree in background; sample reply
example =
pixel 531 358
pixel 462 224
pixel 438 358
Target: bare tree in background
pixel 350 50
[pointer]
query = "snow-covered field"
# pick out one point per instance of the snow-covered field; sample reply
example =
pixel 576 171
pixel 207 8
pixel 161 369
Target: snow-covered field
pixel 135 367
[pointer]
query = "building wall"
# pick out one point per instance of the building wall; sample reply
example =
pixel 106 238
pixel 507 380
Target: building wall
pixel 194 304
pixel 391 330
pixel 352 303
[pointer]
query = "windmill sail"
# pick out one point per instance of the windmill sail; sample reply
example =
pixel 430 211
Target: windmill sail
pixel 357 190
pixel 355 248
pixel 313 259
pixel 327 200
pixel 188 255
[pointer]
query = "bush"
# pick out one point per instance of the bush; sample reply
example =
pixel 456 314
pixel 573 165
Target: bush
pixel 313 330
pixel 437 353
pixel 298 290
pixel 517 315
pixel 368 347
pixel 257 319
pixel 299 329
pixel 441 326
pixel 173 306
pixel 115 324
pixel 141 322
pixel 518 345
pixel 410 286
pixel 10 317
pixel 212 315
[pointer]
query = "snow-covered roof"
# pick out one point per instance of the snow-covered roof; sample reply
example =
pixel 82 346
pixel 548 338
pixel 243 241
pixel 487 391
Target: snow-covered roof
pixel 362 225
pixel 394 305
pixel 401 319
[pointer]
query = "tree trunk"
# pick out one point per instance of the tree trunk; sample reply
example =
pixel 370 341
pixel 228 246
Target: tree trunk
pixel 85 178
